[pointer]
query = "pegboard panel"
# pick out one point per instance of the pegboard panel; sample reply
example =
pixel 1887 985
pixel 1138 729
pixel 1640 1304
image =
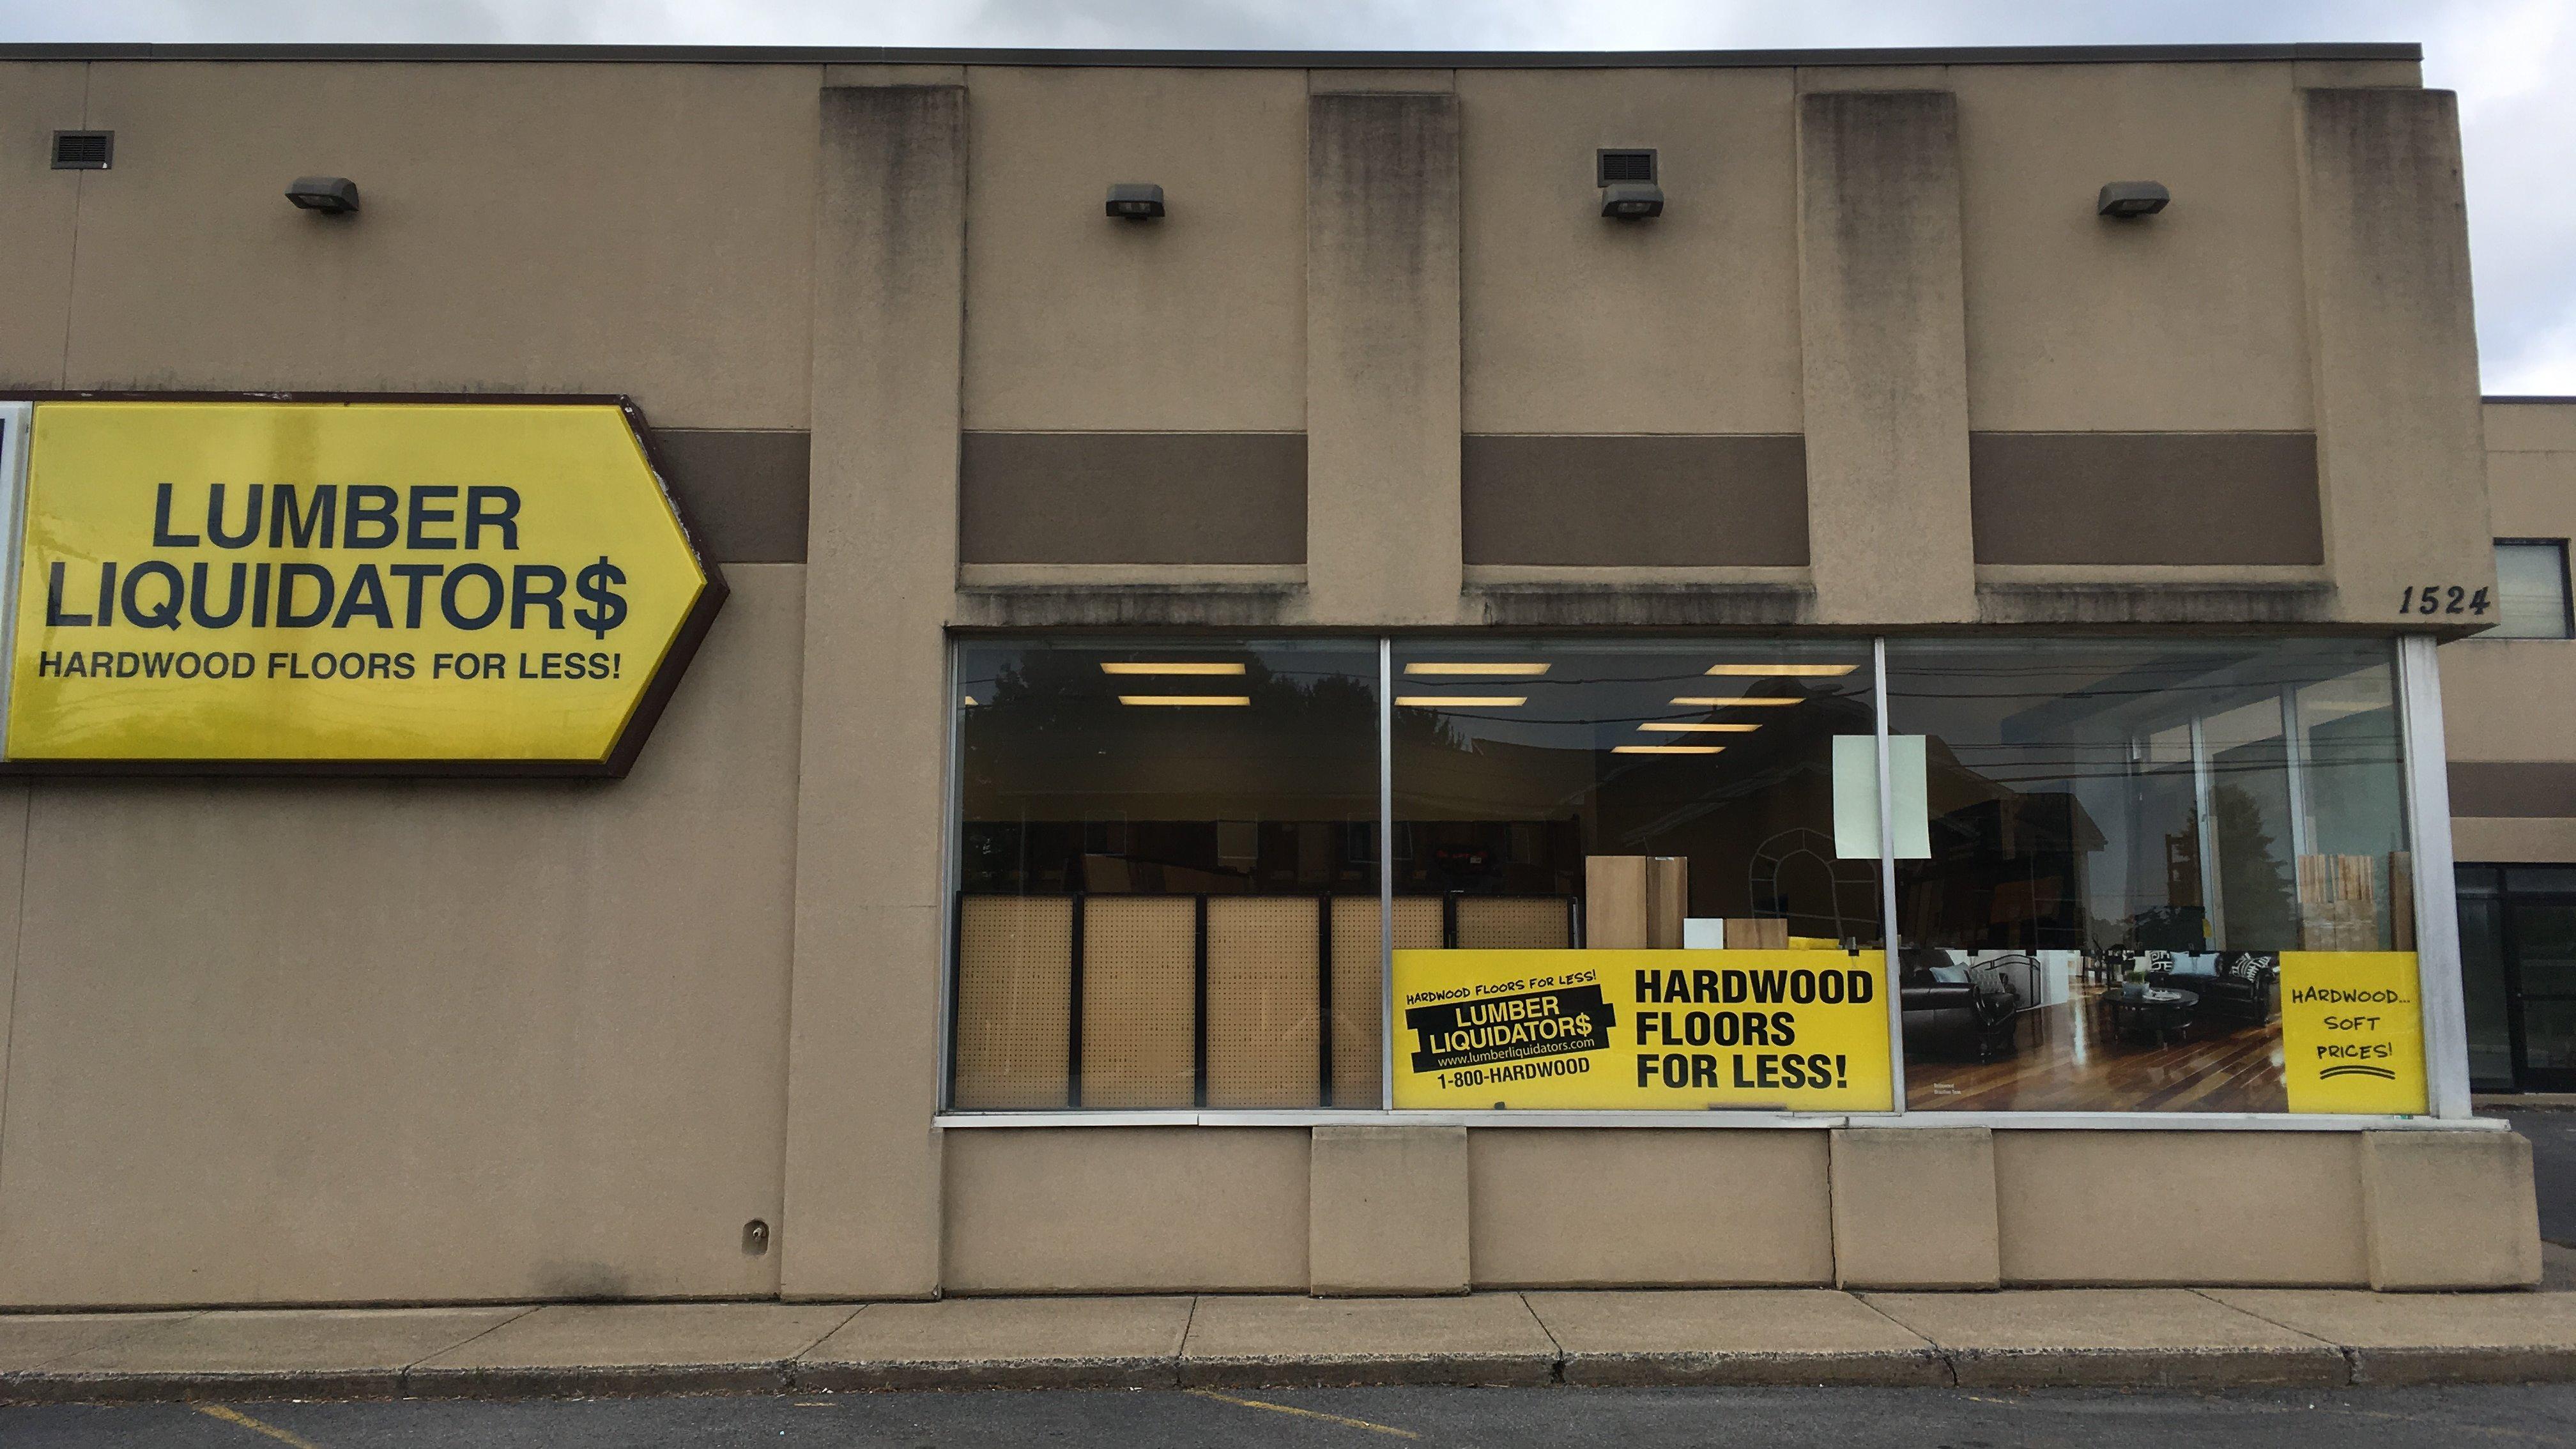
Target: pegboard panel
pixel 1514 923
pixel 1139 1001
pixel 1014 1001
pixel 1261 998
pixel 1359 1013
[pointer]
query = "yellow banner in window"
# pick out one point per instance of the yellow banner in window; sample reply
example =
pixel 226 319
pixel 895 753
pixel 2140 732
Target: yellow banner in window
pixel 1671 1030
pixel 2352 1031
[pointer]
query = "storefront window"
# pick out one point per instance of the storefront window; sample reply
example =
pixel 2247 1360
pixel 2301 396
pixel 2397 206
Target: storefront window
pixel 1167 876
pixel 1648 794
pixel 2129 875
pixel 2125 841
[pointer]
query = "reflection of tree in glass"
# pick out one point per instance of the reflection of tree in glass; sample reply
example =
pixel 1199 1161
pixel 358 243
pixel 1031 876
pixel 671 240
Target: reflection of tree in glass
pixel 2254 885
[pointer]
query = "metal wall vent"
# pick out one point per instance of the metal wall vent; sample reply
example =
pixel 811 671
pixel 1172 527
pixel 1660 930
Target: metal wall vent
pixel 1614 167
pixel 84 150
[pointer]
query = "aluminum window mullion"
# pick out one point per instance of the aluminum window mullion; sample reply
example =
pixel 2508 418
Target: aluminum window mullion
pixel 1887 880
pixel 1386 872
pixel 951 880
pixel 2204 804
pixel 2437 907
pixel 2294 753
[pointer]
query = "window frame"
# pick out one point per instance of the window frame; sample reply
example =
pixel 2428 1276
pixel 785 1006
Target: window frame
pixel 2428 829
pixel 2566 595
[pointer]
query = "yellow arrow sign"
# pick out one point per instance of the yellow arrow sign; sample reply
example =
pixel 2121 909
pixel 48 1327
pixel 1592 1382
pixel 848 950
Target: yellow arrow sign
pixel 500 586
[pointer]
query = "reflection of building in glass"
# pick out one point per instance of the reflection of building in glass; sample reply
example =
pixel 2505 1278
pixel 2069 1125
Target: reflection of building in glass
pixel 2152 823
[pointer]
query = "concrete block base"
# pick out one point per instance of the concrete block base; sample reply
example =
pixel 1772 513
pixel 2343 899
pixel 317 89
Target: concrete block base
pixel 1388 1211
pixel 2450 1210
pixel 1915 1208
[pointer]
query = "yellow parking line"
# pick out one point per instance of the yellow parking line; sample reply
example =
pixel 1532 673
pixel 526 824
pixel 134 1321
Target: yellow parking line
pixel 1308 1414
pixel 236 1416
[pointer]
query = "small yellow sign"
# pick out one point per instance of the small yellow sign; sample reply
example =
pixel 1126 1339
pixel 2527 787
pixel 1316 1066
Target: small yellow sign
pixel 2352 1031
pixel 284 584
pixel 1672 1030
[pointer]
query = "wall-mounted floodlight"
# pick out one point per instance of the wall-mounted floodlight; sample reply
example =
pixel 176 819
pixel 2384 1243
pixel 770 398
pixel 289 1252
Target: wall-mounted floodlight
pixel 1632 200
pixel 2129 200
pixel 1135 200
pixel 329 195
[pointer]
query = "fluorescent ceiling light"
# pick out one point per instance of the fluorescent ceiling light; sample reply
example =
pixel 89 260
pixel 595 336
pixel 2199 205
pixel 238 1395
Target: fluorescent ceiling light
pixel 1666 749
pixel 1472 668
pixel 1461 701
pixel 1678 727
pixel 1710 701
pixel 1791 671
pixel 1204 666
pixel 1185 699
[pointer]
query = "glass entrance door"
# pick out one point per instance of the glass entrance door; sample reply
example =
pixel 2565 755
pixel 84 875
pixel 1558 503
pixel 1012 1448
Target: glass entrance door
pixel 2518 954
pixel 2541 933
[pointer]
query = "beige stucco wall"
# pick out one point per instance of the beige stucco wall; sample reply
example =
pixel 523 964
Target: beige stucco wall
pixel 2548 839
pixel 404 1040
pixel 1195 323
pixel 2189 321
pixel 881 559
pixel 1686 324
pixel 1111 1209
pixel 553 1040
pixel 2180 1207
pixel 2508 701
pixel 1567 1208
pixel 569 228
pixel 36 227
pixel 2515 699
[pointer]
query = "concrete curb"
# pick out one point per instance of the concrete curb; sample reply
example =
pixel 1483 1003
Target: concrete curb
pixel 595 1382
pixel 2321 1367
pixel 1022 1373
pixel 2393 1367
pixel 164 1388
pixel 1352 1371
pixel 2181 1368
pixel 1918 1368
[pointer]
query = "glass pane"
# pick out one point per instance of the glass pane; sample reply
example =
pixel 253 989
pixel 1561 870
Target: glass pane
pixel 2474 880
pixel 1684 794
pixel 2544 937
pixel 2531 591
pixel 1167 875
pixel 2125 836
pixel 2549 1035
pixel 2482 983
pixel 2540 879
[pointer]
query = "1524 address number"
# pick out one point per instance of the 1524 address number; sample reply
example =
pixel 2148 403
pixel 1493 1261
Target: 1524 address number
pixel 2442 599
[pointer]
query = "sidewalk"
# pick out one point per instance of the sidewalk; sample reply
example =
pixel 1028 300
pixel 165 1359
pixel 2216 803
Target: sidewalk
pixel 2164 1337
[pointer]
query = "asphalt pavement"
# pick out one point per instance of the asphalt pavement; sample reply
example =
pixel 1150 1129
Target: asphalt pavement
pixel 1559 1418
pixel 2553 1165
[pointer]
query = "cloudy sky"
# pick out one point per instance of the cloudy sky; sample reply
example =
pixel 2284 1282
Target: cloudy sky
pixel 2506 58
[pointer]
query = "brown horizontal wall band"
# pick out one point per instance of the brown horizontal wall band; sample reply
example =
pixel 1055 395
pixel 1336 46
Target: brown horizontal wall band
pixel 1603 500
pixel 1132 498
pixel 2513 790
pixel 746 490
pixel 2145 498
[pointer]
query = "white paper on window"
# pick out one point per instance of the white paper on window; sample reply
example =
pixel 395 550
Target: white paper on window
pixel 1856 797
